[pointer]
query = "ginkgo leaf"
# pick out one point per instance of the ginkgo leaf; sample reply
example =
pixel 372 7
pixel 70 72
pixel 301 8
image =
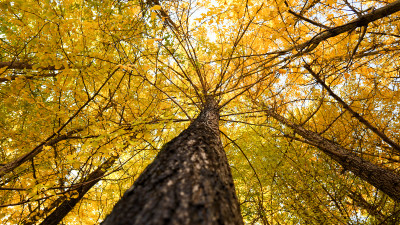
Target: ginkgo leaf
pixel 46 147
pixel 2 70
pixel 153 15
pixel 156 7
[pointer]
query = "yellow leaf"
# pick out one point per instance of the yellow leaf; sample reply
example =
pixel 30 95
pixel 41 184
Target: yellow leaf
pixel 73 194
pixel 330 2
pixel 150 41
pixel 2 70
pixel 58 66
pixel 153 15
pixel 156 7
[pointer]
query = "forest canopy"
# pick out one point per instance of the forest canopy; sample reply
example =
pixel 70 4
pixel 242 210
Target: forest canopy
pixel 90 91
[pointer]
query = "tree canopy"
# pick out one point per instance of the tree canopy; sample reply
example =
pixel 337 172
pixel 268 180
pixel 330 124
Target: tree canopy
pixel 90 91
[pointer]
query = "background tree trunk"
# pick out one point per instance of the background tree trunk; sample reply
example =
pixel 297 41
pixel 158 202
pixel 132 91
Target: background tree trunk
pixel 68 204
pixel 189 182
pixel 383 179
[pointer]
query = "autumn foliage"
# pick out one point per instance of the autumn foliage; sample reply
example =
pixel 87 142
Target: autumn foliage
pixel 90 91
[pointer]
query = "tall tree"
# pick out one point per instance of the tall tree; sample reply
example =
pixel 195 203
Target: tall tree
pixel 189 182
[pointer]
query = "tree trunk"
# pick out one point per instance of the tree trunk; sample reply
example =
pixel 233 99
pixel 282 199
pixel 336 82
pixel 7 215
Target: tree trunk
pixel 189 182
pixel 68 204
pixel 382 178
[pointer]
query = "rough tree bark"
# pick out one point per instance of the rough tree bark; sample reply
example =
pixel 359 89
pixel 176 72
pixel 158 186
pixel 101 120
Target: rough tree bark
pixel 189 182
pixel 383 179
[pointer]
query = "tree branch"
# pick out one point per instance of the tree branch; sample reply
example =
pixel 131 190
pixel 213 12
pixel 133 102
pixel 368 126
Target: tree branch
pixel 381 178
pixel 362 120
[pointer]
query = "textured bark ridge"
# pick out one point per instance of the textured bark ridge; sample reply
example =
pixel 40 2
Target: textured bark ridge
pixel 189 182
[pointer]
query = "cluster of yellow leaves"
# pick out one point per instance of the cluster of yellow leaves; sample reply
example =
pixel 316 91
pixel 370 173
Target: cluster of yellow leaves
pixel 129 81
